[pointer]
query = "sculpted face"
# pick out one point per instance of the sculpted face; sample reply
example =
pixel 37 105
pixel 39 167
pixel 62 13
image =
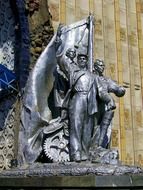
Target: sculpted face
pixel 71 53
pixel 82 61
pixel 99 66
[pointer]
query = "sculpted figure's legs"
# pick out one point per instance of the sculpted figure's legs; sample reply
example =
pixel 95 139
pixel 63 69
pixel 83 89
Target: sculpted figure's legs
pixel 86 136
pixel 106 120
pixel 78 133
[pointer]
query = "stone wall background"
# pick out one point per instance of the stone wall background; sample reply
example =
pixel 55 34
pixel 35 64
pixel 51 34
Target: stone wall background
pixel 119 41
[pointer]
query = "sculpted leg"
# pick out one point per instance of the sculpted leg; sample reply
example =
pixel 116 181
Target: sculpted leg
pixel 86 137
pixel 107 118
pixel 76 114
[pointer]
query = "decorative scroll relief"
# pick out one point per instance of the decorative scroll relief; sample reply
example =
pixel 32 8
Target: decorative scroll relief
pixel 7 35
pixel 7 43
pixel 7 143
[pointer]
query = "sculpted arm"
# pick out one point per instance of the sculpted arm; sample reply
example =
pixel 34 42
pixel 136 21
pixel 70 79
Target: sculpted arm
pixel 62 60
pixel 64 64
pixel 113 87
pixel 104 95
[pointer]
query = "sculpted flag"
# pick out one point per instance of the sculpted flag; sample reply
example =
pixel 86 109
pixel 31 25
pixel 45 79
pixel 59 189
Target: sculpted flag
pixel 36 114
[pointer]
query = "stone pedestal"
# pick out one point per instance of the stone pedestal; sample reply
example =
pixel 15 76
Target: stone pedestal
pixel 72 175
pixel 73 181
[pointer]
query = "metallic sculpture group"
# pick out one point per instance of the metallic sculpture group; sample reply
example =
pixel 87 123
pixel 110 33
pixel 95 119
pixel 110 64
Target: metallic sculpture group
pixel 85 105
pixel 80 108
pixel 89 106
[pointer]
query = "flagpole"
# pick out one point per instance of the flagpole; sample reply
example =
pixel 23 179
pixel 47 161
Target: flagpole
pixel 91 43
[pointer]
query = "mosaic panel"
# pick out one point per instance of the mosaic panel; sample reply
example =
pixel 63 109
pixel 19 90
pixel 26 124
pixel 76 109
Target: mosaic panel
pixel 7 35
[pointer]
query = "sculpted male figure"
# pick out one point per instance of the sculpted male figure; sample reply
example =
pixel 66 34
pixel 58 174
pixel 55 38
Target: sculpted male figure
pixel 105 116
pixel 61 85
pixel 82 104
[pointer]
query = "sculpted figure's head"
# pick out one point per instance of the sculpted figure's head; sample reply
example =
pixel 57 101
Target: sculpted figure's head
pixel 71 53
pixel 99 66
pixel 82 60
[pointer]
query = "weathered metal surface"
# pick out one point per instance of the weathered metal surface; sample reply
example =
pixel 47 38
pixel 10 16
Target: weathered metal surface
pixel 71 169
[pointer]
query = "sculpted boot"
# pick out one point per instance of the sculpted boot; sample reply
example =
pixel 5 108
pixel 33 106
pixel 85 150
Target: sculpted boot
pixel 76 157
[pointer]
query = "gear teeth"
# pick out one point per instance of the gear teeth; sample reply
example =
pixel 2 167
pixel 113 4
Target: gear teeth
pixel 45 150
pixel 54 153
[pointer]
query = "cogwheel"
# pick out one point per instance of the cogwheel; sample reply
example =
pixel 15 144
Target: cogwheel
pixel 56 147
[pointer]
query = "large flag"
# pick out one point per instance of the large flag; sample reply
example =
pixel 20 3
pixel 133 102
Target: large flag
pixel 40 82
pixel 35 110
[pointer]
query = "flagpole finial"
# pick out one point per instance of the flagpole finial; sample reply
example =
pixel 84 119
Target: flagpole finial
pixel 91 13
pixel 91 17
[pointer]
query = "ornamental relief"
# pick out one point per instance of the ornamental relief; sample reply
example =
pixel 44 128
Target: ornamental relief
pixel 115 140
pixel 98 26
pixel 132 38
pixel 123 34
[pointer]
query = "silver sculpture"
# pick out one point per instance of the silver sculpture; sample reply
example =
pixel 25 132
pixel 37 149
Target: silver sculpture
pixel 60 108
pixel 105 116
pixel 82 104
